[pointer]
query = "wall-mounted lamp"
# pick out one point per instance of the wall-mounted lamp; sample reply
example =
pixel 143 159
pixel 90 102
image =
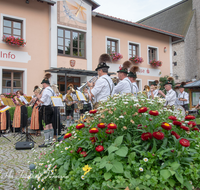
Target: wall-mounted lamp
pixel 27 1
pixel 175 63
pixel 165 49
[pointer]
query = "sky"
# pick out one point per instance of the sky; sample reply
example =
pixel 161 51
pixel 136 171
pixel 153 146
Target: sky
pixel 132 10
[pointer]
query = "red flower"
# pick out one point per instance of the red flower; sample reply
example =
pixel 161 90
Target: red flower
pixel 189 117
pixel 67 135
pixel 146 136
pixel 192 123
pixel 154 113
pixel 175 134
pixel 178 123
pixel 195 129
pixel 93 111
pixel 99 148
pixel 172 151
pixel 112 126
pixel 84 153
pixel 109 131
pixel 185 128
pixel 139 126
pixel 166 126
pixel 158 135
pixel 101 125
pixel 184 142
pixel 80 125
pixel 93 139
pixel 94 130
pixel 79 149
pixel 173 118
pixel 142 110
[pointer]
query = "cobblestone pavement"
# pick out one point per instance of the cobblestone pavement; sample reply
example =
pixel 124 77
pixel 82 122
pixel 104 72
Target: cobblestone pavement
pixel 14 163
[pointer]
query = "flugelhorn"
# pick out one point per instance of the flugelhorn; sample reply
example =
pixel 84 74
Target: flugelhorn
pixel 93 79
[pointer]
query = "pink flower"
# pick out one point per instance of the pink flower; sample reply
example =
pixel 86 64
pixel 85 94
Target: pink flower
pixel 46 166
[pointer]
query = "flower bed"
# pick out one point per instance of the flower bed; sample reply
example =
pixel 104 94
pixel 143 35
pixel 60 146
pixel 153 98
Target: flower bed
pixel 126 142
pixel 136 59
pixel 116 56
pixel 155 63
pixel 11 40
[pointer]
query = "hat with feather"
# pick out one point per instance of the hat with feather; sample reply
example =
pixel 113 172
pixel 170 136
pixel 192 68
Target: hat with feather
pixel 125 67
pixel 155 83
pixel 103 59
pixel 35 87
pixel 133 71
pixel 182 85
pixel 169 80
pixel 46 78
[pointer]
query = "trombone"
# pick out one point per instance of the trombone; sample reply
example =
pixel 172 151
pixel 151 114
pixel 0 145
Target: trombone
pixel 146 90
pixel 93 79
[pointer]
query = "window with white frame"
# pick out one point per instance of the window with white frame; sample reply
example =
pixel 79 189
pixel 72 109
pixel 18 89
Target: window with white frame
pixel 112 46
pixel 133 50
pixel 150 82
pixel 152 53
pixel 139 84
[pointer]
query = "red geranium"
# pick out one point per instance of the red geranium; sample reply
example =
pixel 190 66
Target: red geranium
pixel 101 125
pixel 185 128
pixel 84 153
pixel 99 148
pixel 154 113
pixel 93 139
pixel 184 142
pixel 178 123
pixel 166 126
pixel 93 111
pixel 173 118
pixel 142 110
pixel 146 136
pixel 112 126
pixel 195 129
pixel 158 135
pixel 67 135
pixel 175 134
pixel 79 126
pixel 109 131
pixel 189 117
pixel 79 149
pixel 192 123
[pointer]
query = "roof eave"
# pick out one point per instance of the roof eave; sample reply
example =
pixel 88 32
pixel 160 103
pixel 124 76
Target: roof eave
pixel 48 2
pixel 92 3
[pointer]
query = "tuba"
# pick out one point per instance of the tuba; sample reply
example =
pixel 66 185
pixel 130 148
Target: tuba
pixel 68 96
pixel 146 90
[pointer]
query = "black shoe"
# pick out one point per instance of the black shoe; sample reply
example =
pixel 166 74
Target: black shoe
pixel 42 145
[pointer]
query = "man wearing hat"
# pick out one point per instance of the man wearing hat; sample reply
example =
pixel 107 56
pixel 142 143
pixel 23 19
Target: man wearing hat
pixel 170 97
pixel 125 85
pixel 183 97
pixel 104 85
pixel 132 75
pixel 47 111
pixel 153 90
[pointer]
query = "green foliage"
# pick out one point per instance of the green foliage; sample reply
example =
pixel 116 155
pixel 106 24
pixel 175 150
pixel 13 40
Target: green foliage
pixel 12 111
pixel 163 80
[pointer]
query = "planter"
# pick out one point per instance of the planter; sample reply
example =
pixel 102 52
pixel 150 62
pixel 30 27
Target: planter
pixel 11 40
pixel 136 59
pixel 116 56
pixel 155 63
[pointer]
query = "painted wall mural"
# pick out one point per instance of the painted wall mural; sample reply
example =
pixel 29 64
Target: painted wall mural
pixel 72 13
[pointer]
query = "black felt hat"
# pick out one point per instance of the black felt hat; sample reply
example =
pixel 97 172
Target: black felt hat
pixel 182 85
pixel 35 87
pixel 125 67
pixel 169 80
pixel 46 78
pixel 155 83
pixel 103 59
pixel 133 71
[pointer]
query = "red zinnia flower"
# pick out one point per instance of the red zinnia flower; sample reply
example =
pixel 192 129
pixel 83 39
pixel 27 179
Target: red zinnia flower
pixel 109 131
pixel 195 129
pixel 173 118
pixel 112 126
pixel 84 153
pixel 158 135
pixel 67 135
pixel 184 142
pixel 185 128
pixel 80 125
pixel 99 148
pixel 166 126
pixel 94 130
pixel 146 136
pixel 178 123
pixel 101 125
pixel 154 113
pixel 93 111
pixel 93 139
pixel 79 149
pixel 175 134
pixel 192 123
pixel 189 117
pixel 142 110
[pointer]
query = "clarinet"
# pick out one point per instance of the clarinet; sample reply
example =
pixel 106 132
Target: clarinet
pixel 37 98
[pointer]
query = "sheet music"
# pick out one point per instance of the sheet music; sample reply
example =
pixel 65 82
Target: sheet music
pixel 57 101
pixel 23 99
pixel 80 96
pixel 4 109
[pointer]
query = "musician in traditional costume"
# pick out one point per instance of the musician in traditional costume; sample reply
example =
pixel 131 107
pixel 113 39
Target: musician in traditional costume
pixel 183 97
pixel 153 90
pixel 104 85
pixel 132 76
pixel 170 97
pixel 125 85
pixel 87 103
pixel 47 110
pixel 71 100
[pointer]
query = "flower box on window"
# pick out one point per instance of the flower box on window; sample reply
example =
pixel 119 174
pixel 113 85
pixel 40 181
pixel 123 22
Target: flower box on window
pixel 136 59
pixel 155 63
pixel 116 56
pixel 11 40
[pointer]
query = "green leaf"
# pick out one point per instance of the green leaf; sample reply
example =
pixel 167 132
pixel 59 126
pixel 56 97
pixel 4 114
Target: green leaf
pixel 109 167
pixel 179 177
pixel 97 159
pixel 165 173
pixel 66 165
pixel 122 151
pixel 131 157
pixel 118 141
pixel 117 167
pixel 107 176
pixel 62 171
pixel 148 176
pixel 175 165
pixel 129 137
pixel 102 164
pixel 112 149
pixel 127 174
pixel 154 146
pixel 172 172
pixel 171 182
pixel 188 185
pixel 59 161
pixel 187 159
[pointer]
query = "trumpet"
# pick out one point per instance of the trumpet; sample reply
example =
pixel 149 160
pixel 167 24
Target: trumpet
pixel 146 90
pixel 93 79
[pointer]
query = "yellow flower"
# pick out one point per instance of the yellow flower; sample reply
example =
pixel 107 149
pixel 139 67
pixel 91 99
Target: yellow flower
pixel 86 169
